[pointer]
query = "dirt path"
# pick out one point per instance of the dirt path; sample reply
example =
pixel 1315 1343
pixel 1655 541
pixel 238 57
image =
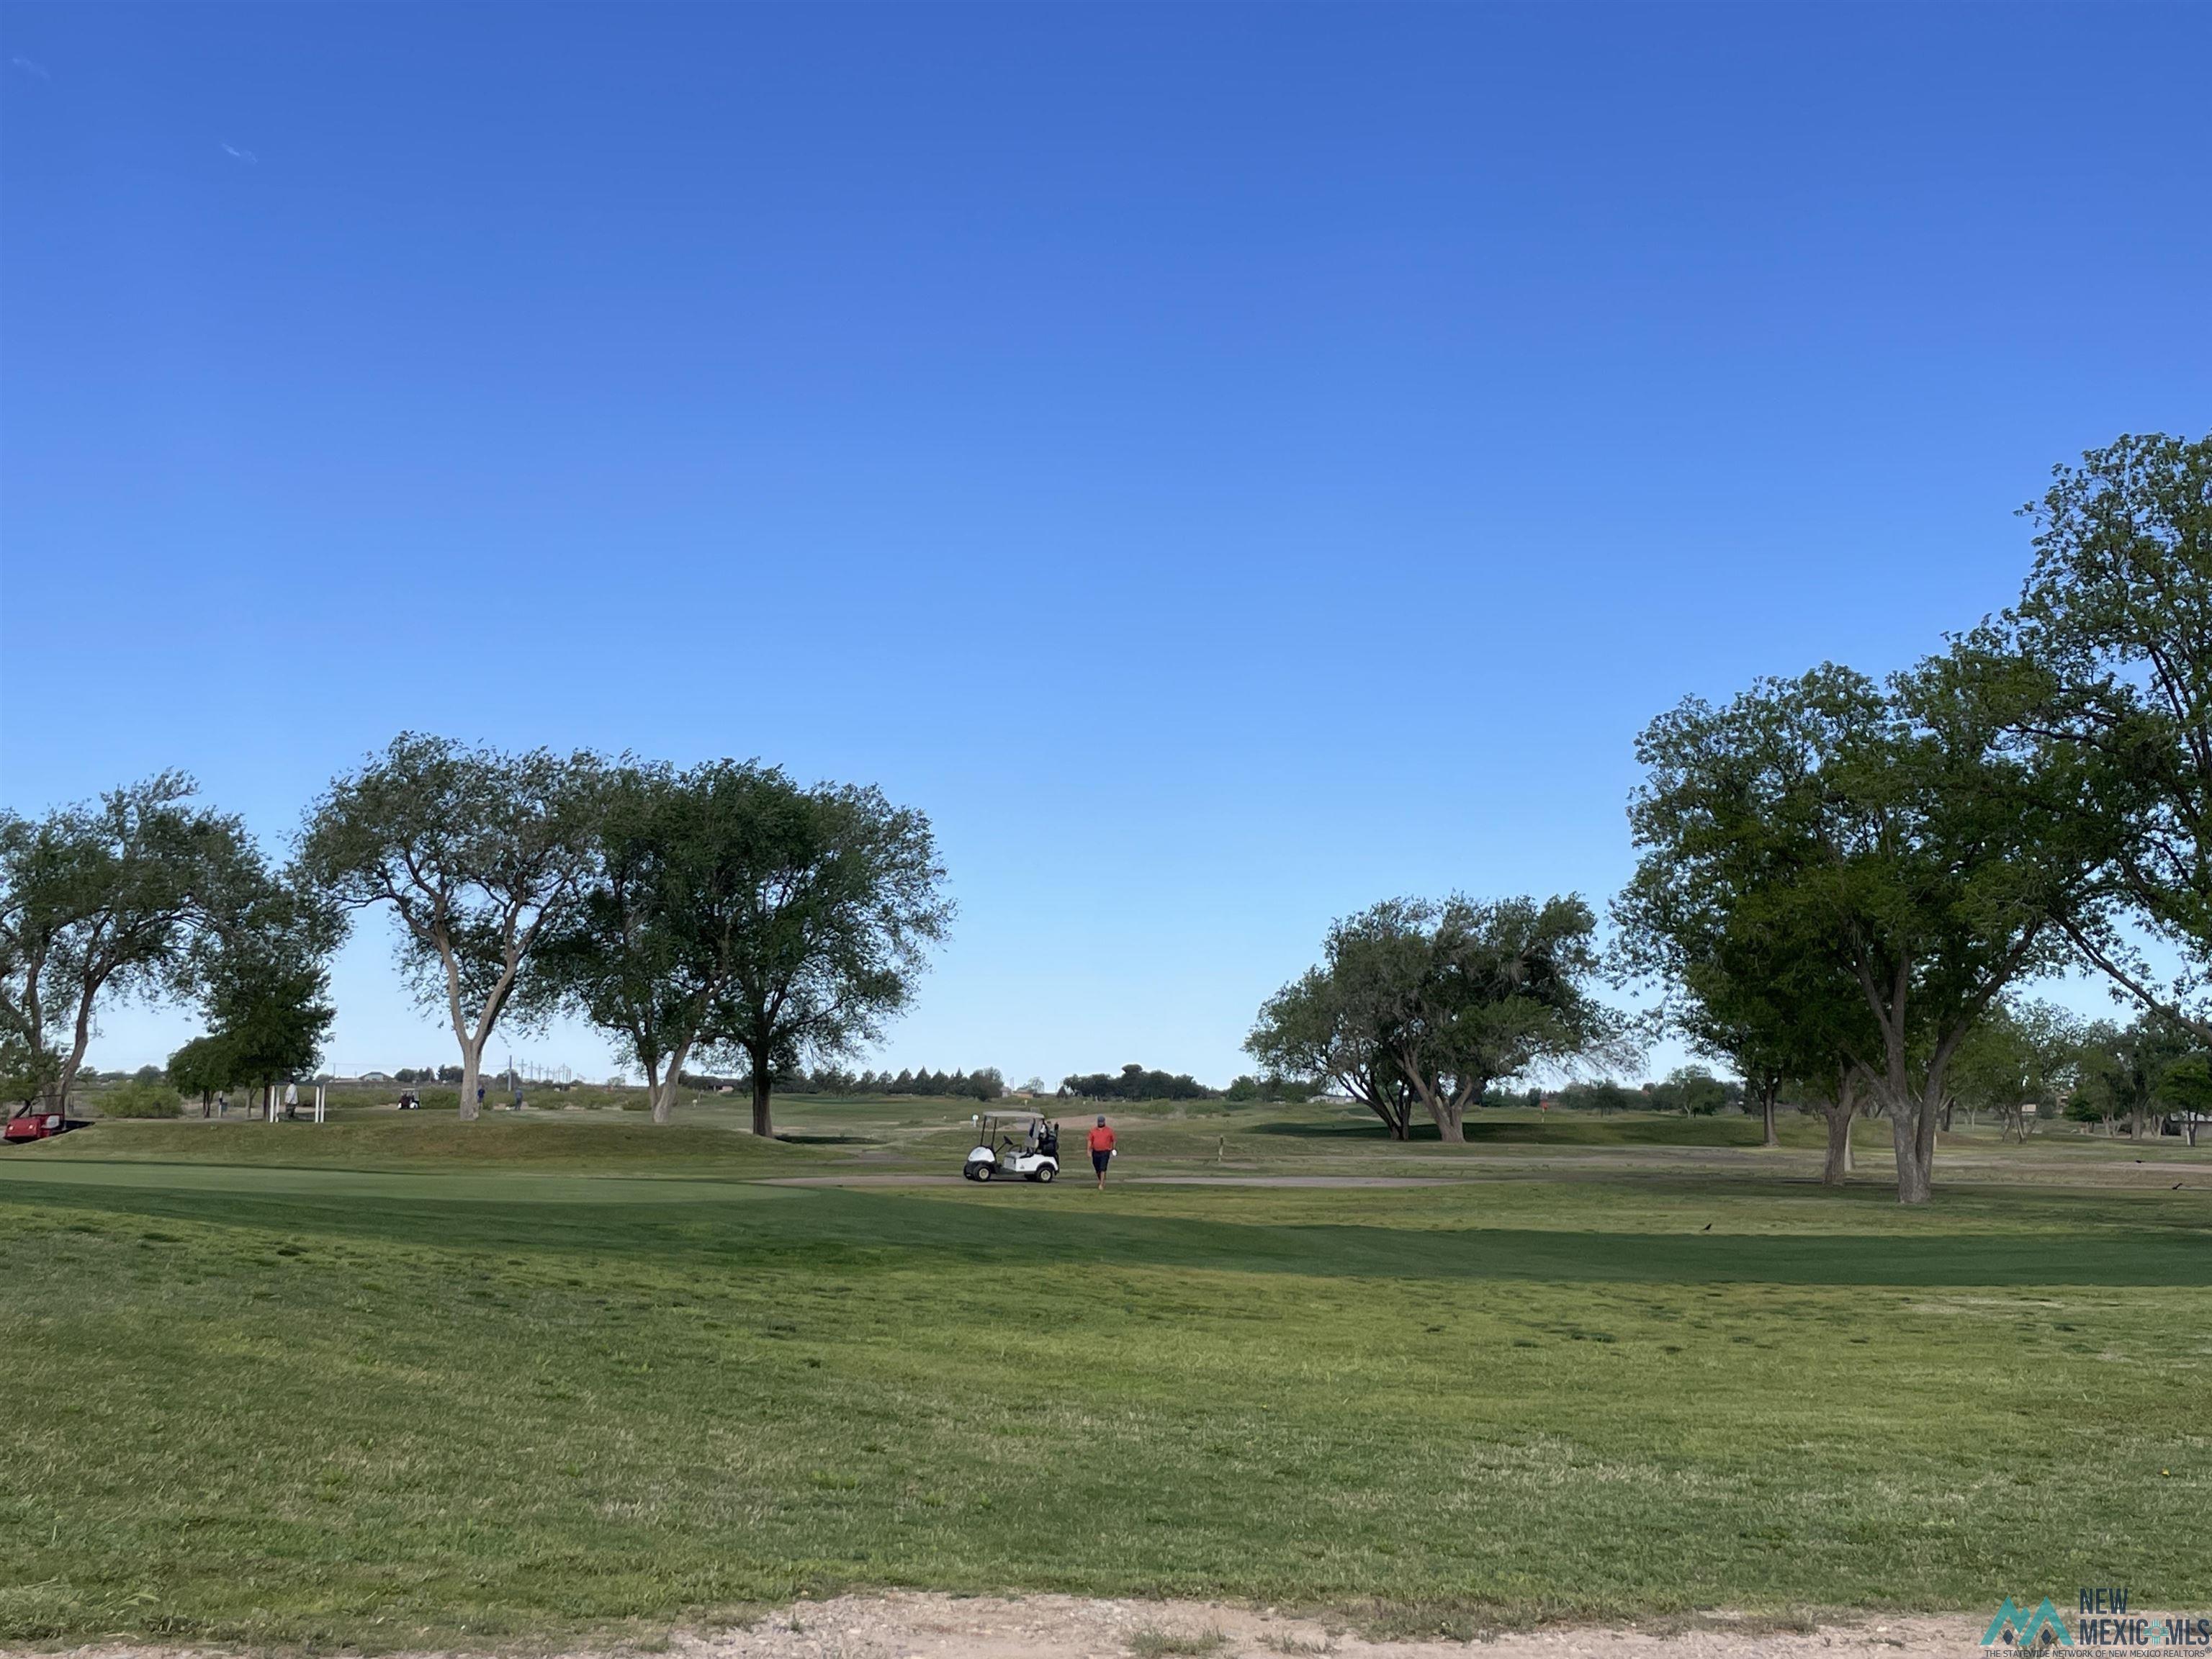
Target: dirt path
pixel 921 1625
pixel 887 1180
pixel 1296 1181
pixel 924 1625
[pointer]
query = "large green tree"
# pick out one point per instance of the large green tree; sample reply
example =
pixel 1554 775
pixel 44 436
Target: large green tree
pixel 2187 1087
pixel 2019 1058
pixel 271 1013
pixel 203 1066
pixel 2121 1070
pixel 1329 1025
pixel 1440 1000
pixel 824 903
pixel 688 864
pixel 1897 836
pixel 480 854
pixel 2114 629
pixel 1716 923
pixel 123 896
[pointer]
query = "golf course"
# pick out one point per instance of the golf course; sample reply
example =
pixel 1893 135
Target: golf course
pixel 393 1382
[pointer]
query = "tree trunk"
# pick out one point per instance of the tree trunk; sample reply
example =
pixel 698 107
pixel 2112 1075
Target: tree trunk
pixel 80 1038
pixel 1913 1131
pixel 1838 1163
pixel 1392 1121
pixel 471 1057
pixel 664 1088
pixel 763 1126
pixel 1913 1186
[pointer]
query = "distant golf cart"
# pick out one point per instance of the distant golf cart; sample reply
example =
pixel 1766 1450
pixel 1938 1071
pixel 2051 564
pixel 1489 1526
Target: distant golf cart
pixel 1013 1143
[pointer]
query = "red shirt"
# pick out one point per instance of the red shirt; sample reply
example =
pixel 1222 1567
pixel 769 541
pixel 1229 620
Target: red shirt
pixel 1102 1139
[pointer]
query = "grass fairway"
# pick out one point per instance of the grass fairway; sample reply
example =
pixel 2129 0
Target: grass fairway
pixel 395 1382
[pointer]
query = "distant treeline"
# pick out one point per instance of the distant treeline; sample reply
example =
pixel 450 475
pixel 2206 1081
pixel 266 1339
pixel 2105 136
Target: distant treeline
pixel 986 1083
pixel 1137 1083
pixel 1691 1091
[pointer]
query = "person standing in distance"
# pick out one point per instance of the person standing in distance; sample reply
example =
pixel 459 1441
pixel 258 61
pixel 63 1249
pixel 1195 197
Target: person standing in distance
pixel 1102 1151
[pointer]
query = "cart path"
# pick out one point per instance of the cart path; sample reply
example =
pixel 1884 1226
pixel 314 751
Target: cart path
pixel 1298 1181
pixel 924 1625
pixel 859 1178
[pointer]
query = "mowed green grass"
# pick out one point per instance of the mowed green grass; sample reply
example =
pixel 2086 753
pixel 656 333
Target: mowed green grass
pixel 400 1383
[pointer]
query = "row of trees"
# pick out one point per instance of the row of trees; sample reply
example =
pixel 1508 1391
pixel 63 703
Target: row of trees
pixel 720 910
pixel 146 894
pixel 1134 1082
pixel 1841 880
pixel 986 1083
pixel 1842 883
pixel 2022 1061
pixel 2029 1058
pixel 718 913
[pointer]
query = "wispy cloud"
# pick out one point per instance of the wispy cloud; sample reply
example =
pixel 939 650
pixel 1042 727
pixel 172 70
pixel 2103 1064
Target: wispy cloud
pixel 245 155
pixel 29 67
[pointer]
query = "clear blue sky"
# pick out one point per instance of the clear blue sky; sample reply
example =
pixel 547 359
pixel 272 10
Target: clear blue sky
pixel 1226 465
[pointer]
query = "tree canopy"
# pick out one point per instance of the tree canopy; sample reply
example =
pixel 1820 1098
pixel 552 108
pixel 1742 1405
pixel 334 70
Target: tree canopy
pixel 479 855
pixel 130 894
pixel 2113 633
pixel 1424 1003
pixel 1134 1082
pixel 833 897
pixel 1897 836
pixel 649 949
pixel 2019 1058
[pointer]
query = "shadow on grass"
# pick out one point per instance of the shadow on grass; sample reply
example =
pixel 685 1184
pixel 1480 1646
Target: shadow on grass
pixel 887 1230
pixel 1637 1131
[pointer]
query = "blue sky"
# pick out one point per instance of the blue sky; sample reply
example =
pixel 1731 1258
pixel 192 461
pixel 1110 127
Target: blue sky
pixel 1226 464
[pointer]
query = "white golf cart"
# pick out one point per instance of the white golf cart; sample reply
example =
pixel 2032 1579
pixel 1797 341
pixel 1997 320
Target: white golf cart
pixel 1013 1143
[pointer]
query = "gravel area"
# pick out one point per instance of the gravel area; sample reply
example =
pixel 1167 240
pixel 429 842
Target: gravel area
pixel 921 1624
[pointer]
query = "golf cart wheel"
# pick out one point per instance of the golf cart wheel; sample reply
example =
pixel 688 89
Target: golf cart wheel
pixel 1045 1174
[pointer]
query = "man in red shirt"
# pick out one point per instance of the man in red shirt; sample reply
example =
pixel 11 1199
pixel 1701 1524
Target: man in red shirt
pixel 1102 1151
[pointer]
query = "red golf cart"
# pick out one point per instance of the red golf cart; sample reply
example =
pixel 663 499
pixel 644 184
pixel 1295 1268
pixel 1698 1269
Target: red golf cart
pixel 37 1123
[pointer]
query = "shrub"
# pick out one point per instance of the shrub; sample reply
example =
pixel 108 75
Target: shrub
pixel 138 1099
